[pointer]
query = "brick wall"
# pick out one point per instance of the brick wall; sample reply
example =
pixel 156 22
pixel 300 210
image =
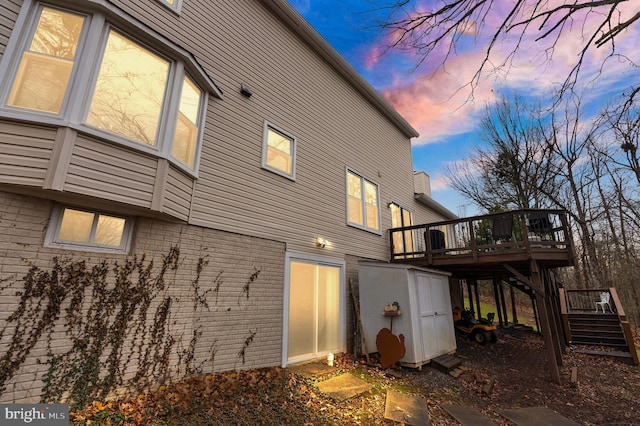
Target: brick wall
pixel 241 282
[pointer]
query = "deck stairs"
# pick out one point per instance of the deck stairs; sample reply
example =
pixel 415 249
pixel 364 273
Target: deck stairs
pixel 610 330
pixel 597 330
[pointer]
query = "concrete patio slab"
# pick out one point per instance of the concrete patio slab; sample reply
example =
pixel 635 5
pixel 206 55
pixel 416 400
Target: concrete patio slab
pixel 407 409
pixel 537 416
pixel 343 387
pixel 467 416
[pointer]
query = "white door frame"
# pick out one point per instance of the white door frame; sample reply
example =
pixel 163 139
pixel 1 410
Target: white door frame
pixel 316 260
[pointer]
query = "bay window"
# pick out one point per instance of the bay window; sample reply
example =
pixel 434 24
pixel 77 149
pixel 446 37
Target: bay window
pixel 128 92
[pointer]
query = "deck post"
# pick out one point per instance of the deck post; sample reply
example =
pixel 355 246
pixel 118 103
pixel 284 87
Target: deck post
pixel 564 312
pixel 556 316
pixel 469 294
pixel 514 311
pixel 503 304
pixel 477 294
pixel 496 296
pixel 547 332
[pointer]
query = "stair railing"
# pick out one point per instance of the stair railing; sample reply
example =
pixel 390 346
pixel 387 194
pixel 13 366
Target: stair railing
pixel 564 313
pixel 626 327
pixel 582 301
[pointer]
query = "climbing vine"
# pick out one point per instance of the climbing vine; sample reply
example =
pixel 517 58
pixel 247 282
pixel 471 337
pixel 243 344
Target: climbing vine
pixel 245 346
pixel 118 321
pixel 254 276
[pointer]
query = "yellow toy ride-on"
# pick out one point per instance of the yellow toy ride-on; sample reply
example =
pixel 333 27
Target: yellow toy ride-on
pixel 482 331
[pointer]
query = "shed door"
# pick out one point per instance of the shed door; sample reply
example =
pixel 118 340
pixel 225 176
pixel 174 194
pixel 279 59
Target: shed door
pixel 314 310
pixel 436 323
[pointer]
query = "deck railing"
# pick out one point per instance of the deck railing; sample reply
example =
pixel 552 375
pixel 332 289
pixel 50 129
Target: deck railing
pixel 514 230
pixel 581 301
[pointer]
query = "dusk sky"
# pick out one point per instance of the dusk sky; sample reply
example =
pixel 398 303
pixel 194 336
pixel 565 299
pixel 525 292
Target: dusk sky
pixel 435 101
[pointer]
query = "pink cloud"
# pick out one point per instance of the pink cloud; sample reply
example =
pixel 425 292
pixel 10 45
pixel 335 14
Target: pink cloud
pixel 439 183
pixel 436 100
pixel 440 104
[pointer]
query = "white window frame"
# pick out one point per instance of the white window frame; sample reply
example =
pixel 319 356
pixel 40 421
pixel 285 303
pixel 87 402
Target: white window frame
pixel 363 179
pixel 176 7
pixel 265 146
pixel 100 17
pixel 53 230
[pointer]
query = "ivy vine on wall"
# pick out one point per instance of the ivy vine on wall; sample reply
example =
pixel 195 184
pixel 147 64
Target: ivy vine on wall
pixel 117 320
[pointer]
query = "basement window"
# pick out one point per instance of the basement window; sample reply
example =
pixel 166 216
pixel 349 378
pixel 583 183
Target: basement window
pixel 78 229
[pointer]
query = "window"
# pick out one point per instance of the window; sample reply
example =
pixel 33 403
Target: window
pixel 279 152
pixel 44 70
pixel 186 137
pixel 130 89
pixel 77 229
pixel 362 203
pixel 135 96
pixel 403 242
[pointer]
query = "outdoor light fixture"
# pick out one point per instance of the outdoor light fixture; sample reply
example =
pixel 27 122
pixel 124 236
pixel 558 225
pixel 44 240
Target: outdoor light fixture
pixel 321 242
pixel 245 90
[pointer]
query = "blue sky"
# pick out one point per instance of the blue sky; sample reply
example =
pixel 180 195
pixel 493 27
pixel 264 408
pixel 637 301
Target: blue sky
pixel 435 101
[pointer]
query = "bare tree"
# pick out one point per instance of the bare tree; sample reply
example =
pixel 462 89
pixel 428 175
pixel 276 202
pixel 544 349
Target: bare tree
pixel 624 121
pixel 448 24
pixel 512 162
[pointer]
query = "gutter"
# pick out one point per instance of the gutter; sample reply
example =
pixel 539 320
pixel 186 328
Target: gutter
pixel 283 10
pixel 435 206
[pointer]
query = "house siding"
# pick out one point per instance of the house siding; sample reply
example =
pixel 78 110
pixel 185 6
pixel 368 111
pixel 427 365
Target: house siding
pixel 24 153
pixel 177 198
pixel 296 90
pixel 232 313
pixel 8 16
pixel 110 171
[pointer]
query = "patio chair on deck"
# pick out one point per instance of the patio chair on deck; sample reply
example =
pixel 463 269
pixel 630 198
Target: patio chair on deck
pixel 540 225
pixel 502 229
pixel 436 239
pixel 604 300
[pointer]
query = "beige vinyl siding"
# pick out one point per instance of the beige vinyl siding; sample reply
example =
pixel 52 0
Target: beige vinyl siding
pixel 177 197
pixel 302 94
pixel 296 90
pixel 24 153
pixel 109 171
pixel 8 16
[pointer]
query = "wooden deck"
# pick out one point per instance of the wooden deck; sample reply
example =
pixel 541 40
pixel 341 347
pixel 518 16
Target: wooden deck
pixel 517 246
pixel 483 247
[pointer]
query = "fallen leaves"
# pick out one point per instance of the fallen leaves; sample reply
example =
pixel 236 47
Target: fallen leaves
pixel 278 396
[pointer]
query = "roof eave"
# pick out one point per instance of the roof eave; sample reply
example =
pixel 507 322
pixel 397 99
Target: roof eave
pixel 297 23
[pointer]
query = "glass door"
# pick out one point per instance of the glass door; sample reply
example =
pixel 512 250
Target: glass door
pixel 314 310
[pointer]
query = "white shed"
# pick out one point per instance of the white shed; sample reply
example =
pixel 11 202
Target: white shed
pixel 425 317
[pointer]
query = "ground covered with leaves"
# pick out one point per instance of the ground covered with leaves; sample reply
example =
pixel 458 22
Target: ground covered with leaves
pixel 606 392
